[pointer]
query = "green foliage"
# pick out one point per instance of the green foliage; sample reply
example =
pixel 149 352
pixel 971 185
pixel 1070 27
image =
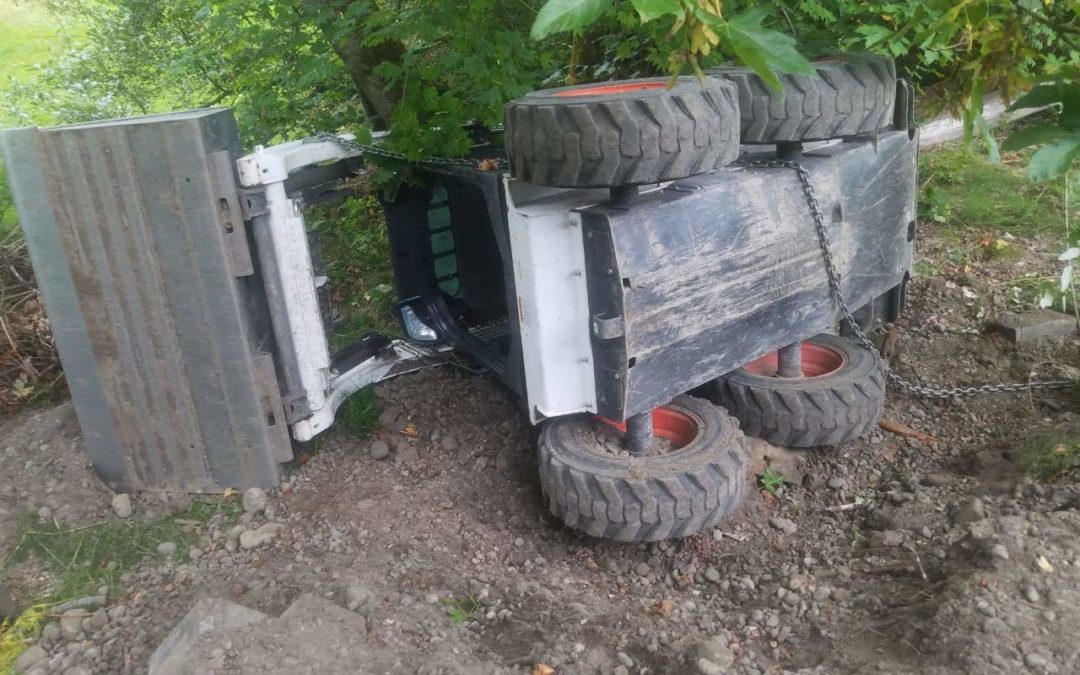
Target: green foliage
pixel 83 559
pixel 696 28
pixel 1052 457
pixel 357 253
pixel 771 480
pixel 557 16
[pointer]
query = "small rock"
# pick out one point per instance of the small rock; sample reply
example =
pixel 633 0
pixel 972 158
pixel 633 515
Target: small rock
pixel 836 483
pixel 121 506
pixel 707 667
pixel 970 511
pixel 841 594
pixel 715 654
pixel 711 575
pixel 995 626
pixel 1035 660
pixel 250 539
pixel 407 453
pixel 999 551
pixel 642 569
pixel 254 500
pixel 936 480
pixel 30 658
pixel 235 532
pixel 76 670
pixel 1031 594
pixel 71 623
pixel 620 670
pixel 166 549
pixel 783 524
pixel 625 659
pixel 379 450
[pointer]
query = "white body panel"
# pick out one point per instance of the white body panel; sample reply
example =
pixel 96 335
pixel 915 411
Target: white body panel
pixel 552 298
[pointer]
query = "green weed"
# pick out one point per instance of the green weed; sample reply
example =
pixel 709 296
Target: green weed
pixel 83 559
pixel 1052 457
pixel 771 480
pixel 461 610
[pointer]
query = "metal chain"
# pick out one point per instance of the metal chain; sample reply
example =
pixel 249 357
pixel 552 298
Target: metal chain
pixel 386 153
pixel 838 298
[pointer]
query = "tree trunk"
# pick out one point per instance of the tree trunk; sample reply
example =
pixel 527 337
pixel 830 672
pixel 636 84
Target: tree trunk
pixel 360 62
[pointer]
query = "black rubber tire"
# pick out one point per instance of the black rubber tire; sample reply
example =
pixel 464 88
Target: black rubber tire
pixel 645 498
pixel 854 94
pixel 623 138
pixel 810 412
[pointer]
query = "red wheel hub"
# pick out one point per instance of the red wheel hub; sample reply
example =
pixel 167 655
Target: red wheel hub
pixel 817 360
pixel 624 88
pixel 669 424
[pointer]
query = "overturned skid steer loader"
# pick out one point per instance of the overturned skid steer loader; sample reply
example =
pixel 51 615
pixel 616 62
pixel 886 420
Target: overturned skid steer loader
pixel 647 241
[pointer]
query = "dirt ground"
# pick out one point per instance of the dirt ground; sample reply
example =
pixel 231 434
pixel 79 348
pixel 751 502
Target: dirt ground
pixel 888 554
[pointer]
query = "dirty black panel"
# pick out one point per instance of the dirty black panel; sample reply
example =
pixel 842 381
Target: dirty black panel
pixel 721 268
pixel 607 327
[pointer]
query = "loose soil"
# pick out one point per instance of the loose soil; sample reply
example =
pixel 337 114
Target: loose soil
pixel 888 554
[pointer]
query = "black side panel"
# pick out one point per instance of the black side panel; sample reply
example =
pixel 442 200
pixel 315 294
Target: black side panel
pixel 719 269
pixel 462 306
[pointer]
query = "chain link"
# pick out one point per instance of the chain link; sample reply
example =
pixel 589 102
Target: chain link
pixel 386 153
pixel 838 297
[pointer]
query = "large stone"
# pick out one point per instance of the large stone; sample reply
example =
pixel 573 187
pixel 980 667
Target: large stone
pixel 71 622
pixel 1028 327
pixel 171 657
pixel 30 658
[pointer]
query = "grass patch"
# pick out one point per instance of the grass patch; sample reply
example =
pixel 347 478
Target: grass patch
pixel 964 190
pixel 1052 458
pixel 358 415
pixel 31 36
pixel 85 558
